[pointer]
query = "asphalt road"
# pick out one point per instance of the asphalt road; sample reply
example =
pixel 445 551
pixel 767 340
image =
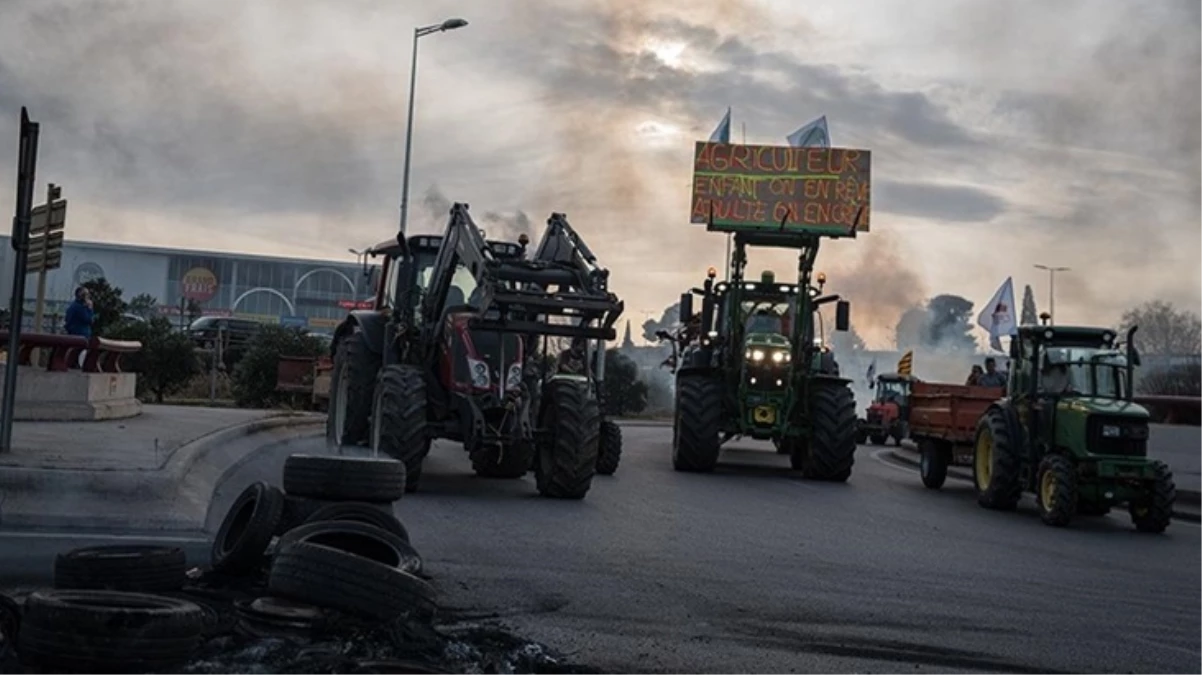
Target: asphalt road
pixel 753 570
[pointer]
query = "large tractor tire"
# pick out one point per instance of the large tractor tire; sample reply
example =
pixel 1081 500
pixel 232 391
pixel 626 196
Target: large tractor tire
pixel 698 423
pixel 352 385
pixel 566 462
pixel 1153 513
pixel 1056 490
pixel 996 463
pixel 399 426
pixel 831 450
pixel 609 454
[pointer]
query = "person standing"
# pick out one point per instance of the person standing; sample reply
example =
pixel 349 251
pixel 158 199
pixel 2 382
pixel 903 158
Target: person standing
pixel 991 377
pixel 79 318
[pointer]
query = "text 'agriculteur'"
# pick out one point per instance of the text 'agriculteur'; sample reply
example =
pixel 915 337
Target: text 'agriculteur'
pixel 767 187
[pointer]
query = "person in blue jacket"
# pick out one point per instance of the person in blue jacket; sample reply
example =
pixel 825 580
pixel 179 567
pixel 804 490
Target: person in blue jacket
pixel 80 315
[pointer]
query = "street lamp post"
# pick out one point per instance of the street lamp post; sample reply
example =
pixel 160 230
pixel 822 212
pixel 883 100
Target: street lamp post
pixel 449 24
pixel 1052 287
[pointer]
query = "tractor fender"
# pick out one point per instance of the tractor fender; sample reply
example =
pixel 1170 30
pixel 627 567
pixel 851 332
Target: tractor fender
pixel 369 322
pixel 832 379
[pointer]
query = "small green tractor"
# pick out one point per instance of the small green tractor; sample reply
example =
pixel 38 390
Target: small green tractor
pixel 755 369
pixel 1068 431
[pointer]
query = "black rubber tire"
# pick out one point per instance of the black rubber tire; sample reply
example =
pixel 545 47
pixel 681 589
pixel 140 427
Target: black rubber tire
pixel 10 623
pixel 401 420
pixel 360 512
pixel 878 439
pixel 832 443
pixel 327 577
pixel 1059 510
pixel 609 451
pixel 566 461
pixel 108 632
pixel 1154 513
pixel 781 447
pixel 297 511
pixel 1004 489
pixel 933 463
pixel 353 360
pixel 247 529
pixel 513 462
pixel 351 479
pixel 698 423
pixel 357 538
pixel 861 435
pixel 147 569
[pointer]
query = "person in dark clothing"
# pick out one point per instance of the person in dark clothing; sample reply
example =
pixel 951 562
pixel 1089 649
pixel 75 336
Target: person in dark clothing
pixel 991 377
pixel 975 376
pixel 571 360
pixel 80 314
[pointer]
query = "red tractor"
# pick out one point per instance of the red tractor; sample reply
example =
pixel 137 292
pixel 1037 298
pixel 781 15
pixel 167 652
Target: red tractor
pixel 889 414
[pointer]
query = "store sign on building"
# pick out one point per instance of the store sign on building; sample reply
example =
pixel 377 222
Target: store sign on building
pixel 86 272
pixel 294 321
pixel 199 284
pixel 356 304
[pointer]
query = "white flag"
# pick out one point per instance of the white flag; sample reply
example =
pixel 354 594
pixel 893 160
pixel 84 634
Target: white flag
pixel 812 135
pixel 997 317
pixel 722 131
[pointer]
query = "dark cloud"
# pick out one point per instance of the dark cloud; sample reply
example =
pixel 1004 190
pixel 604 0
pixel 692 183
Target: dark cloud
pixel 936 202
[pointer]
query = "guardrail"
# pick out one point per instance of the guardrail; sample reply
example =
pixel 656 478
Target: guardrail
pixel 101 355
pixel 1185 410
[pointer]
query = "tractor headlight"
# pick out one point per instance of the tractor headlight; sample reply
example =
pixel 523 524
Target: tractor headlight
pixel 778 356
pixel 757 355
pixel 1111 431
pixel 515 377
pixel 479 371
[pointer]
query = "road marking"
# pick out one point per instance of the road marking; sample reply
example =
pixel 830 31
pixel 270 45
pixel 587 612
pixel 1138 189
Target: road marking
pixel 103 537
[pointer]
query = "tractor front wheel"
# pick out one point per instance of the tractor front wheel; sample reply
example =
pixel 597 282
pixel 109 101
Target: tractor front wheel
pixel 352 385
pixel 995 464
pixel 399 427
pixel 698 423
pixel 1153 512
pixel 610 453
pixel 566 461
pixel 1057 490
pixel 832 444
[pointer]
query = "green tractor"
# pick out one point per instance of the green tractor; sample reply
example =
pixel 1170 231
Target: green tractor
pixel 755 369
pixel 1069 432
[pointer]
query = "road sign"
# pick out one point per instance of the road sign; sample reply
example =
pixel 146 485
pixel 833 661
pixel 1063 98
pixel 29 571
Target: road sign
pixel 58 218
pixel 54 260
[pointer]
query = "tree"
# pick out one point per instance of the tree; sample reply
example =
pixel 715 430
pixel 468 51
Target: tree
pixel 911 329
pixel 951 323
pixel 668 320
pixel 1030 315
pixel 1163 330
pixel 625 393
pixel 167 360
pixel 255 376
pixel 107 304
pixel 144 305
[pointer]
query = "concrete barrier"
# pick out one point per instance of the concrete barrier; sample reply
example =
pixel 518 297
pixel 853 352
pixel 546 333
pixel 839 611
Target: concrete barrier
pixel 44 395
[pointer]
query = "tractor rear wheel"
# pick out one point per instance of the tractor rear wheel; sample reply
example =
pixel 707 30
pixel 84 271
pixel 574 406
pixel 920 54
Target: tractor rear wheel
pixel 399 427
pixel 933 463
pixel 995 466
pixel 609 455
pixel 565 463
pixel 1057 490
pixel 832 443
pixel 878 439
pixel 351 387
pixel 698 423
pixel 1153 512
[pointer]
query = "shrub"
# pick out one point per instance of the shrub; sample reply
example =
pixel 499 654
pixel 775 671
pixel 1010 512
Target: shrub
pixel 254 379
pixel 167 360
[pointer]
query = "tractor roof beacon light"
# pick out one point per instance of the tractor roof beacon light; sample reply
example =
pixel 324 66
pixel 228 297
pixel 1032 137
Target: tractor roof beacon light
pixel 711 273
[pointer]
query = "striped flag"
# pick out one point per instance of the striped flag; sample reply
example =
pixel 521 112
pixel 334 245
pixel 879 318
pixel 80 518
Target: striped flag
pixel 722 131
pixel 906 364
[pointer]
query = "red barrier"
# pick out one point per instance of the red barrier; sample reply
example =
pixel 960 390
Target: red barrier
pixel 103 356
pixel 1186 410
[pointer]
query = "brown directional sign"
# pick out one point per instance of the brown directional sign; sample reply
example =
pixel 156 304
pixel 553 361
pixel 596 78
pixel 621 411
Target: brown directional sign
pixel 58 217
pixel 821 191
pixel 54 260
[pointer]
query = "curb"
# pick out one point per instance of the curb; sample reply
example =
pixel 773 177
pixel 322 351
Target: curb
pixel 175 497
pixel 1185 496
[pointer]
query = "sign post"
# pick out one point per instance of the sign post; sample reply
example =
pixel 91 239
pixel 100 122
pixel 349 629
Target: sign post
pixel 46 244
pixel 27 160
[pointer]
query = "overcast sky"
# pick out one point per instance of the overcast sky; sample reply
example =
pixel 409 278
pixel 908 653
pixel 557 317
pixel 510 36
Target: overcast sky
pixel 1003 134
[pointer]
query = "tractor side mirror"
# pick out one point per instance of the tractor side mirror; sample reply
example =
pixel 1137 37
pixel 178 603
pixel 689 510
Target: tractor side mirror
pixel 686 307
pixel 842 315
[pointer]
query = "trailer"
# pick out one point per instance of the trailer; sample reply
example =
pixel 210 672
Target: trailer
pixel 943 424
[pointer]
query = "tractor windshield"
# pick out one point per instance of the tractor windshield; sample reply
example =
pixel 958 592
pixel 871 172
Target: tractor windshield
pixel 1083 371
pixel 892 391
pixel 766 317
